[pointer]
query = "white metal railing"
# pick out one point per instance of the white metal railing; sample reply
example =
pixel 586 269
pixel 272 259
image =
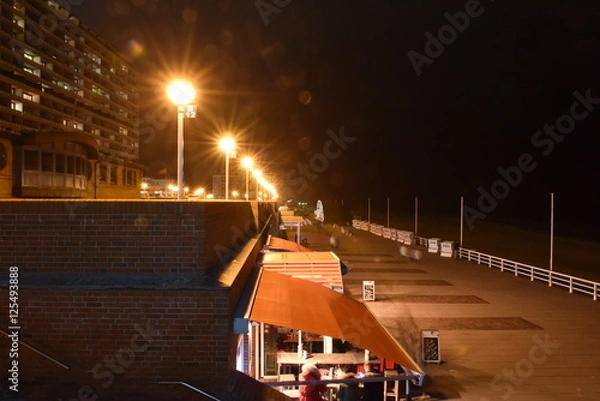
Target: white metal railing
pixel 534 273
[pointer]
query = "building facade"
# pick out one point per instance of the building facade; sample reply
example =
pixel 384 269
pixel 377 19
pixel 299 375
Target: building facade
pixel 68 108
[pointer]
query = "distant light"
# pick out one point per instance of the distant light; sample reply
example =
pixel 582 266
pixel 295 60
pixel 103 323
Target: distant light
pixel 247 163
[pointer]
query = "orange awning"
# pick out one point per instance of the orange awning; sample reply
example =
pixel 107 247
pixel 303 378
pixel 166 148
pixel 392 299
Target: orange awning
pixel 299 304
pixel 280 244
pixel 319 267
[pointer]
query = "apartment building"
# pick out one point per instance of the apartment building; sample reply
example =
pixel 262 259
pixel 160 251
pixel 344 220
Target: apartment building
pixel 68 108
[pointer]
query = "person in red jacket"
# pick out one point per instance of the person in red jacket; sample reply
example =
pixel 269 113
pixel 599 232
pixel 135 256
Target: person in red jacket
pixel 311 392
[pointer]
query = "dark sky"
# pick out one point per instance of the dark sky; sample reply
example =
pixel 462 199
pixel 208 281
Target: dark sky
pixel 473 104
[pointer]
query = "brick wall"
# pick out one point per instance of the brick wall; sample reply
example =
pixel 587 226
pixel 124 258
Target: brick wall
pixel 96 276
pixel 121 343
pixel 124 236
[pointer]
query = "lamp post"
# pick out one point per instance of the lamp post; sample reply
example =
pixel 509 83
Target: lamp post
pixel 181 93
pixel 257 175
pixel 247 163
pixel 227 145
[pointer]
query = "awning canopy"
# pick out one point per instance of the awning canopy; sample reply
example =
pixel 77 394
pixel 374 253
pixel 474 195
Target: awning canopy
pixel 299 304
pixel 319 267
pixel 275 244
pixel 293 221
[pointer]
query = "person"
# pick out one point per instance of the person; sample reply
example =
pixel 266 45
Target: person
pixel 310 392
pixel 348 391
pixel 373 391
pixel 333 242
pixel 413 254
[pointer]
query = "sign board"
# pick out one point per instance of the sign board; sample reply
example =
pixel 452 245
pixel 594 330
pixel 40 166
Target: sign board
pixel 448 249
pixel 368 290
pixel 191 111
pixel 430 340
pixel 433 245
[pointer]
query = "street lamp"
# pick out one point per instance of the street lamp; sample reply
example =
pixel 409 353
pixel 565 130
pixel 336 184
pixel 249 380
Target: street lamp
pixel 181 93
pixel 227 145
pixel 247 163
pixel 257 175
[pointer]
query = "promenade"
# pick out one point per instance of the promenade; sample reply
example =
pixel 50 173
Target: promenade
pixel 501 337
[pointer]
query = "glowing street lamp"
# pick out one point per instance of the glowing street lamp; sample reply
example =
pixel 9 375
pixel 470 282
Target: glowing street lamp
pixel 227 145
pixel 181 93
pixel 247 163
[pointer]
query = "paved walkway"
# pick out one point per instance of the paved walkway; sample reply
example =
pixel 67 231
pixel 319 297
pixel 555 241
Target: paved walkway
pixel 501 337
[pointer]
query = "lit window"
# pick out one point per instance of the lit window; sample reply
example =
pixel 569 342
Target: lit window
pixel 15 105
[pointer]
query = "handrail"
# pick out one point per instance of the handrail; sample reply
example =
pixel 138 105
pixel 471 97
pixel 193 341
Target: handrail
pixel 368 379
pixel 193 388
pixel 37 351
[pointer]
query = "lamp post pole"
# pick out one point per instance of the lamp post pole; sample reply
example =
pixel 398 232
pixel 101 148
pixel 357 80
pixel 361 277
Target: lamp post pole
pixel 226 175
pixel 247 194
pixel 181 93
pixel 247 163
pixel 180 122
pixel 227 145
pixel 257 174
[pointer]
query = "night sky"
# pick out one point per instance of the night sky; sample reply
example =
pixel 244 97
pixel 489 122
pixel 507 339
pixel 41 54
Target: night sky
pixel 397 99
